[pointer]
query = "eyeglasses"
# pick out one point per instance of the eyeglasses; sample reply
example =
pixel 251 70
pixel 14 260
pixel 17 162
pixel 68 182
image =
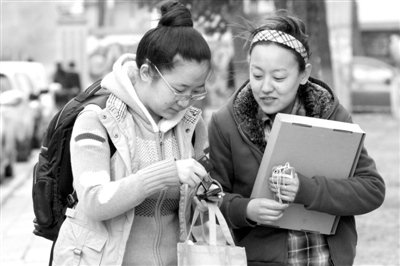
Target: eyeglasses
pixel 181 96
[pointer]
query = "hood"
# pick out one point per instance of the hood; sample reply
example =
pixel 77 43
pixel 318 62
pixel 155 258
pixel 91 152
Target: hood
pixel 121 82
pixel 317 98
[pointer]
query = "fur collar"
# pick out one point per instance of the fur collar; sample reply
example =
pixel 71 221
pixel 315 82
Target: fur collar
pixel 317 98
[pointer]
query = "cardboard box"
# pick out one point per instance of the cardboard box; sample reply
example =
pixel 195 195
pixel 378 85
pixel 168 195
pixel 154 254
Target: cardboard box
pixel 313 147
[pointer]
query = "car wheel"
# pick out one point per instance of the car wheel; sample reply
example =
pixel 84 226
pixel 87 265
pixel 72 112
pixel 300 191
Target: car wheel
pixel 9 171
pixel 24 149
pixel 36 142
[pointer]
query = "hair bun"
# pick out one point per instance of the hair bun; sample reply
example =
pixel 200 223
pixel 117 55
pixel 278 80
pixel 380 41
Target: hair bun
pixel 175 14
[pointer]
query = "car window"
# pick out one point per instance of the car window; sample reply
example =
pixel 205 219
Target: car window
pixel 5 84
pixel 24 83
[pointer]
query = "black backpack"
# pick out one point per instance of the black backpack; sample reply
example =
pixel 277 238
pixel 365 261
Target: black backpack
pixel 52 190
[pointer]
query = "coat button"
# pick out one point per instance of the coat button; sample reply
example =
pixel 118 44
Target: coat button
pixel 187 130
pixel 116 135
pixel 104 117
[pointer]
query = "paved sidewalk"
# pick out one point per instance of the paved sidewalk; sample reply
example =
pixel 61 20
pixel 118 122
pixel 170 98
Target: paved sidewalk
pixel 18 245
pixel 9 185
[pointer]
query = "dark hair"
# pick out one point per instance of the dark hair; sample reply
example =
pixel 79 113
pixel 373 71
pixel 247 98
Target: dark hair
pixel 291 25
pixel 173 36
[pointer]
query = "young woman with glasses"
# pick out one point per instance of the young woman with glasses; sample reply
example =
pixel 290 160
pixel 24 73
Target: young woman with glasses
pixel 134 207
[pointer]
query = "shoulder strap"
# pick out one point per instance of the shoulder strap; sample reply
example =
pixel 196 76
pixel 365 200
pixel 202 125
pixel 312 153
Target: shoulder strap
pixel 112 146
pixel 90 91
pixel 79 102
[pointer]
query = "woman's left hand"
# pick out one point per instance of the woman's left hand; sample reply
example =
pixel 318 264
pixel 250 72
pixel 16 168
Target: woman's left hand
pixel 201 205
pixel 287 189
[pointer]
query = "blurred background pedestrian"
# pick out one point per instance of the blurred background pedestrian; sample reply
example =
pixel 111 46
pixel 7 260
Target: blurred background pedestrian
pixel 72 80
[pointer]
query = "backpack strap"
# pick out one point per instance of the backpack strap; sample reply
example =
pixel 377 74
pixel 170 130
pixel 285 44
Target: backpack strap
pixel 89 92
pixel 112 146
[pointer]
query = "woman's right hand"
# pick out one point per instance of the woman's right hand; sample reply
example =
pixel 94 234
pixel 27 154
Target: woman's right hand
pixel 265 211
pixel 190 172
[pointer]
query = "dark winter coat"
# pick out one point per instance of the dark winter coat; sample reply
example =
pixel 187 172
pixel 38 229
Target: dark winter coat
pixel 236 148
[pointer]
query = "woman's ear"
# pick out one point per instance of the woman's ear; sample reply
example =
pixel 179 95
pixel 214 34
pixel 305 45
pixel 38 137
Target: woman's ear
pixel 306 74
pixel 144 73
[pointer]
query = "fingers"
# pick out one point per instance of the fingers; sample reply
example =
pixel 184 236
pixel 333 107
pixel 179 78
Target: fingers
pixel 190 172
pixel 199 169
pixel 284 181
pixel 265 211
pixel 271 214
pixel 192 180
pixel 284 188
pixel 286 198
pixel 196 179
pixel 285 194
pixel 272 205
pixel 201 205
pixel 269 219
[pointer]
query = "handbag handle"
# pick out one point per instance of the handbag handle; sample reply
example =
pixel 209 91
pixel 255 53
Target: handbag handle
pixel 196 215
pixel 214 214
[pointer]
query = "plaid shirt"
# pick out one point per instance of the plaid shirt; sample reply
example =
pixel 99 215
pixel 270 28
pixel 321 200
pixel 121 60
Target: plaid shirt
pixel 307 249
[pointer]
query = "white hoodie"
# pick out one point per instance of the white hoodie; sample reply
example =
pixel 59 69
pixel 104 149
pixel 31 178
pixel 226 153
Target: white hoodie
pixel 120 82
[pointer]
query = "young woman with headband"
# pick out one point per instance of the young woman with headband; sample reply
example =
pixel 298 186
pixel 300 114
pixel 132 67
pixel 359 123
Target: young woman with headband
pixel 280 81
pixel 134 207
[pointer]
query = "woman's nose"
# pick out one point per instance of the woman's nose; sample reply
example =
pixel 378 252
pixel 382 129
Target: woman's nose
pixel 267 86
pixel 183 103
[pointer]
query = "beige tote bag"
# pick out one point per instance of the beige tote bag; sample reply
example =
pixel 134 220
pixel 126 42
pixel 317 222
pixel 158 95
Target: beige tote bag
pixel 207 250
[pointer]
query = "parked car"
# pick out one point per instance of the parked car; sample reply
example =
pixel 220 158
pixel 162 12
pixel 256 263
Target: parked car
pixel 32 78
pixel 372 84
pixel 43 101
pixel 8 142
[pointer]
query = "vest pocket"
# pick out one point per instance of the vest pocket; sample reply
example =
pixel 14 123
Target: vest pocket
pixel 93 249
pixel 78 245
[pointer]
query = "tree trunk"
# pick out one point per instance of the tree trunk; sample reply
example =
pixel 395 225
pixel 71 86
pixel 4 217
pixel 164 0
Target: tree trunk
pixel 313 13
pixel 102 13
pixel 357 44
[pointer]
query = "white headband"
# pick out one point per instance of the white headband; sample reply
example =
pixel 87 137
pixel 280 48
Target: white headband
pixel 283 38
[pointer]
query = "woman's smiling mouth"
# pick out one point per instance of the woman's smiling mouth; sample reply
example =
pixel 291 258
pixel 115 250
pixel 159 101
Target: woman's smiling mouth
pixel 268 99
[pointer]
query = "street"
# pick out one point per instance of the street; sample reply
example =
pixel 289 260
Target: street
pixel 378 231
pixel 18 245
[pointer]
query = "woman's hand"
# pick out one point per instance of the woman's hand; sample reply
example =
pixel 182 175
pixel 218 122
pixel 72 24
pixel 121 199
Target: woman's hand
pixel 190 172
pixel 285 188
pixel 201 205
pixel 265 211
